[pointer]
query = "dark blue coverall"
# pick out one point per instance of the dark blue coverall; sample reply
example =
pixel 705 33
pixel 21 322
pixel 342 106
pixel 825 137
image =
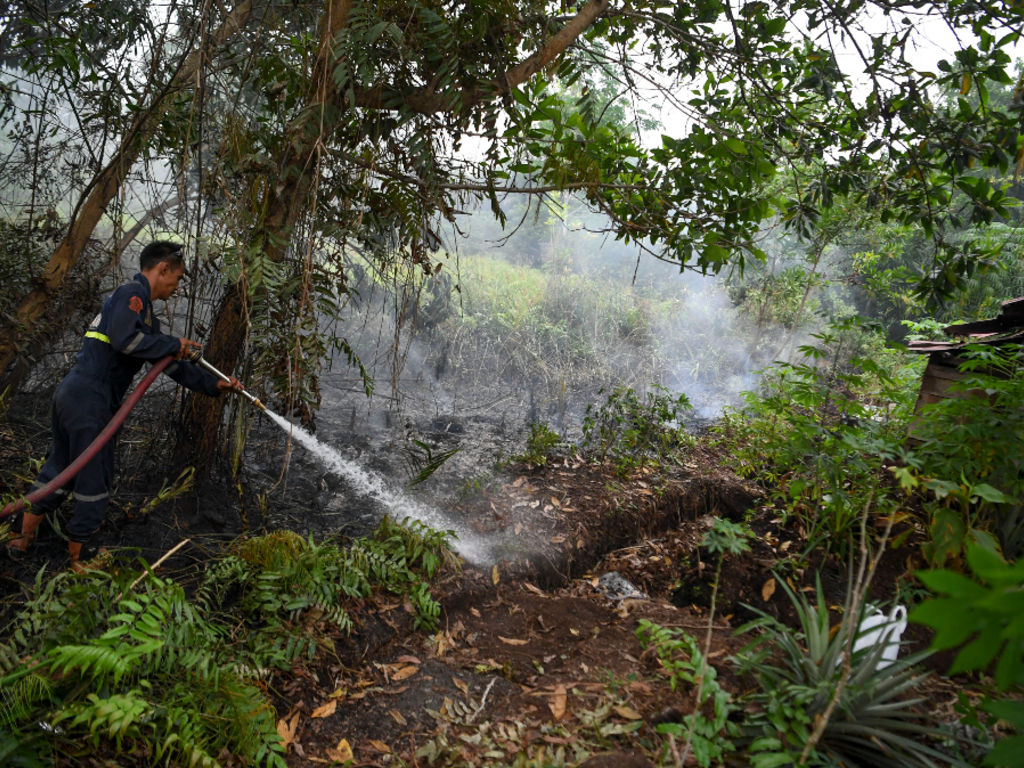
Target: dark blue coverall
pixel 123 336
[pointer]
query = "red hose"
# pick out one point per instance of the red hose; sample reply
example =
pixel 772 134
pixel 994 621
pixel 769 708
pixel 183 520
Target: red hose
pixel 108 432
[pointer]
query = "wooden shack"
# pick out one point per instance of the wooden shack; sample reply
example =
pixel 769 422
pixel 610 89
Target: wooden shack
pixel 943 369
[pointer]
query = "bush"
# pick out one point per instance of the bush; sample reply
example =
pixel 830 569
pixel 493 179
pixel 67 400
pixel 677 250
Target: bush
pixel 634 431
pixel 982 617
pixel 874 723
pixel 539 444
pixel 814 437
pixel 969 457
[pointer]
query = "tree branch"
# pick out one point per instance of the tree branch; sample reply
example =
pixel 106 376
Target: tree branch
pixel 427 101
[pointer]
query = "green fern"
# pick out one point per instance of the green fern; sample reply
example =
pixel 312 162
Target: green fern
pixel 120 667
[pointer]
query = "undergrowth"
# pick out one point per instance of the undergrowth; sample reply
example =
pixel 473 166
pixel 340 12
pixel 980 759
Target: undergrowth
pixel 95 662
pixel 818 434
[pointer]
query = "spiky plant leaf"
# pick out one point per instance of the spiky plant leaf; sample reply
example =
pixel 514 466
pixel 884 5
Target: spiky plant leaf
pixel 876 722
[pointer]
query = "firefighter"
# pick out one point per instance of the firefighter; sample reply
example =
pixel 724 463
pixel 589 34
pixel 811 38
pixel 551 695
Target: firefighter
pixel 123 336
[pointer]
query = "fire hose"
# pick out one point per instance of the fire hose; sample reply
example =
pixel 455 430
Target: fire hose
pixel 108 432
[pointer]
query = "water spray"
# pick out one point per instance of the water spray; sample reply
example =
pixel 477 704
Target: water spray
pixel 196 356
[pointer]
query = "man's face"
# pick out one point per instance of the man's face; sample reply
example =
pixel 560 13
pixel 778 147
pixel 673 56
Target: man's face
pixel 166 280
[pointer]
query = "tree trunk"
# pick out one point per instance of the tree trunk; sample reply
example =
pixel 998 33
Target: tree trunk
pixel 200 441
pixel 200 437
pixel 23 327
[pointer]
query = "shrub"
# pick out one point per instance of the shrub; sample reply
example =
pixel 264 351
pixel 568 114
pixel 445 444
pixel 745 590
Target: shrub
pixel 812 435
pixel 541 442
pixel 982 617
pixel 680 656
pixel 634 431
pixel 969 457
pixel 103 662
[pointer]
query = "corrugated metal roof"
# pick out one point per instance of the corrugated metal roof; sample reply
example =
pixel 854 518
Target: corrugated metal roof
pixel 995 339
pixel 1011 316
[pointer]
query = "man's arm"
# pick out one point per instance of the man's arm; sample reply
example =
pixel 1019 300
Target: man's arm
pixel 194 377
pixel 127 329
pixel 129 334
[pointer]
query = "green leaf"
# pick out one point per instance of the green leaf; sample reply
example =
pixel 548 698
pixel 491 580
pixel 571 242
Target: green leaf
pixel 988 493
pixel 980 653
pixel 737 145
pixel 1007 753
pixel 950 583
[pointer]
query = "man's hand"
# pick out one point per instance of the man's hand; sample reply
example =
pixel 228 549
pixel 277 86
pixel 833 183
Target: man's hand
pixel 230 386
pixel 187 345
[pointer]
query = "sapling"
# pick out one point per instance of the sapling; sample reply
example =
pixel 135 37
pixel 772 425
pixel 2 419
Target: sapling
pixel 724 538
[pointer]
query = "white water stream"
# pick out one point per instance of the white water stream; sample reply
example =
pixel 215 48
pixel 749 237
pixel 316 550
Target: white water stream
pixel 368 483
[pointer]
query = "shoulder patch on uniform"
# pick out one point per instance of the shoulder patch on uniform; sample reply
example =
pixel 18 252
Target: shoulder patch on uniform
pixel 135 304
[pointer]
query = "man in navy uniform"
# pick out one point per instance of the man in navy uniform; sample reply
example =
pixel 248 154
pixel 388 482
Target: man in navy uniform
pixel 123 336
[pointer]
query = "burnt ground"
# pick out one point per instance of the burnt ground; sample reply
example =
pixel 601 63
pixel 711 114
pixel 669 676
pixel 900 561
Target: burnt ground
pixel 531 656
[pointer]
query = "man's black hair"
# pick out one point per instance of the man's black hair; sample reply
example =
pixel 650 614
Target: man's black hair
pixel 161 250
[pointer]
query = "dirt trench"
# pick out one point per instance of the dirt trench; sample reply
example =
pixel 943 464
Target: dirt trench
pixel 530 655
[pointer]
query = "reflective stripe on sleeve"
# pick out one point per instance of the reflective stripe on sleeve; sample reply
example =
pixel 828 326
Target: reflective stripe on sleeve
pixel 97 335
pixel 97 497
pixel 135 342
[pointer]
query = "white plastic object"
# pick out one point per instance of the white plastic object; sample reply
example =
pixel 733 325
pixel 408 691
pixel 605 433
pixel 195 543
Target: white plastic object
pixel 878 629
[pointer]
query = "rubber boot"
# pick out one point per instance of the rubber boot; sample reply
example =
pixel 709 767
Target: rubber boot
pixel 29 523
pixel 98 563
pixel 74 551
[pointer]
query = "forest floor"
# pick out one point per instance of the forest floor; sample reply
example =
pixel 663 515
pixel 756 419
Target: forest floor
pixel 534 656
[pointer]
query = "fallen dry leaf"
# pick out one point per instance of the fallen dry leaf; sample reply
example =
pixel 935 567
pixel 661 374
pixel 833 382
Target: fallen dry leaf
pixel 556 502
pixel 339 693
pixel 557 702
pixel 557 539
pixel 407 660
pixel 519 481
pixel 495 576
pixel 519 528
pixel 397 717
pixel 475 612
pixel 380 746
pixel 286 730
pixel 534 504
pixel 579 543
pixel 511 641
pixel 342 753
pixel 326 710
pixel 405 672
pixel 768 590
pixel 534 589
pixel 464 687
pixel 627 712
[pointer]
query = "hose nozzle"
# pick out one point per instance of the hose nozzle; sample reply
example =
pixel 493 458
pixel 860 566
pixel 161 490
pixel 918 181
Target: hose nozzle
pixel 196 356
